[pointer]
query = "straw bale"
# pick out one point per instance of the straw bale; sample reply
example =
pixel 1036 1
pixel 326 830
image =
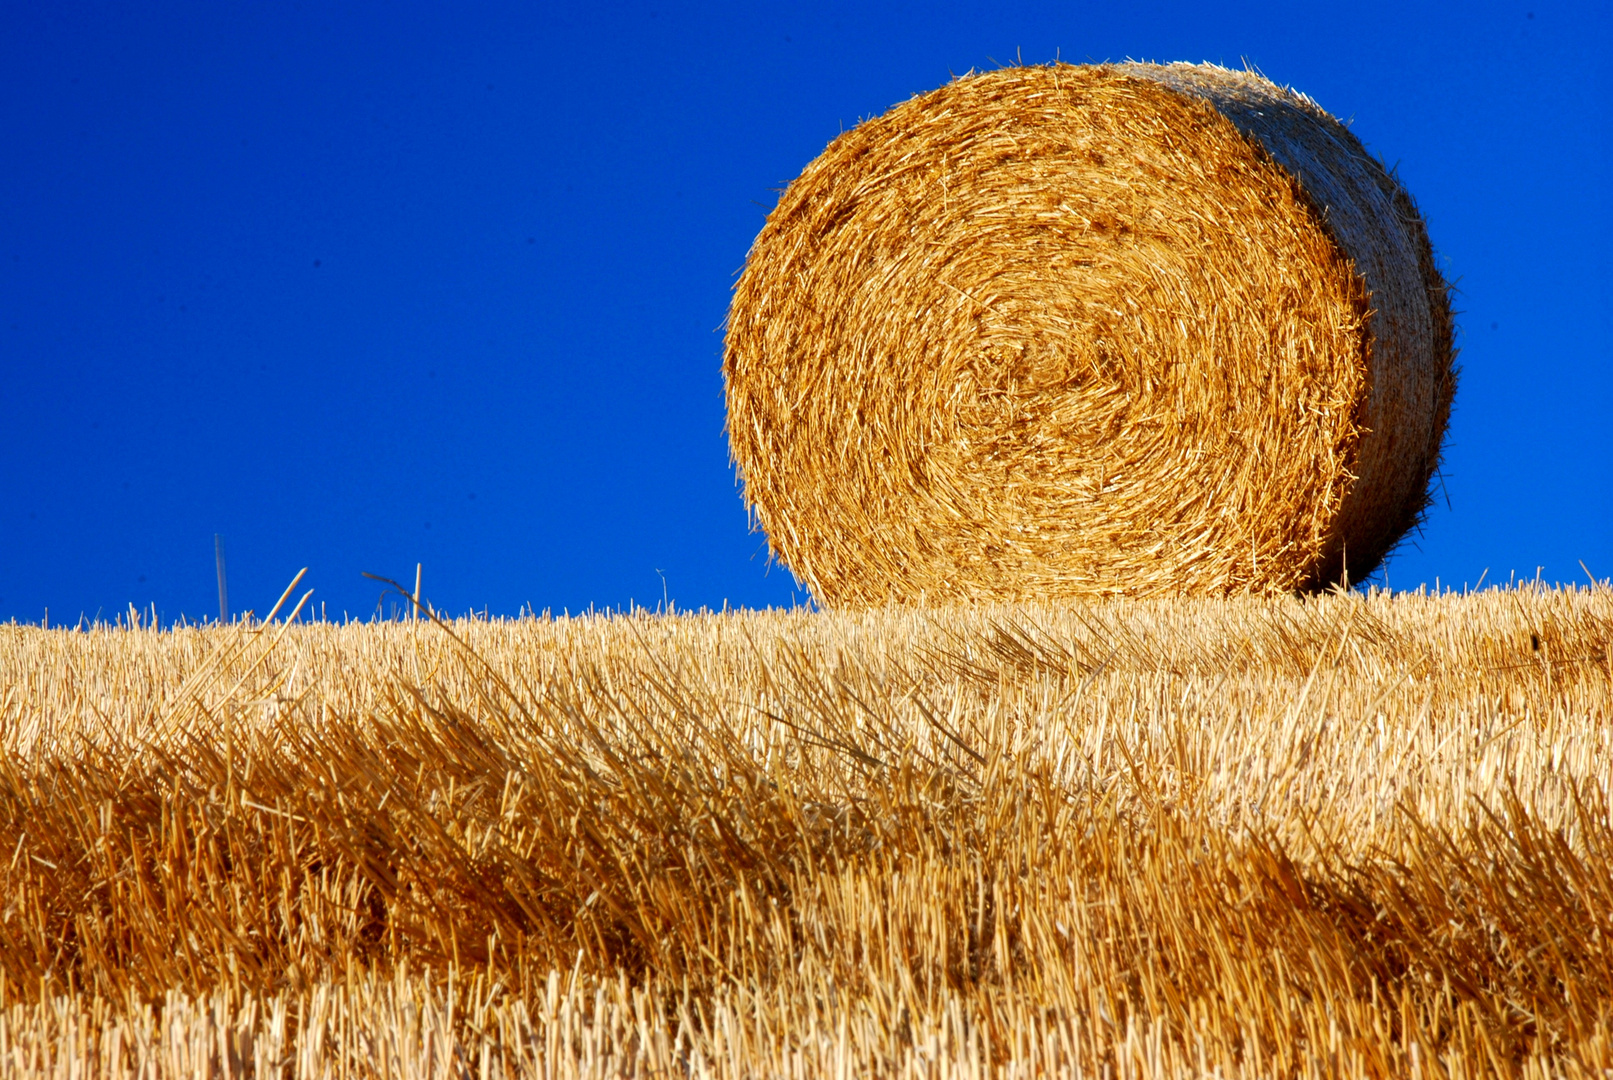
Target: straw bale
pixel 1050 332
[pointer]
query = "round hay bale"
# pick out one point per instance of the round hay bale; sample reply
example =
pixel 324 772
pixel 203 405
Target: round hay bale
pixel 1061 331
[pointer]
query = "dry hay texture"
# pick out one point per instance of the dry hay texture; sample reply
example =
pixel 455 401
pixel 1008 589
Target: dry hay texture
pixel 1254 838
pixel 1064 331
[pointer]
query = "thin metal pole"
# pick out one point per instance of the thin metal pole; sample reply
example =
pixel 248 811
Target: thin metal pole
pixel 223 581
pixel 416 609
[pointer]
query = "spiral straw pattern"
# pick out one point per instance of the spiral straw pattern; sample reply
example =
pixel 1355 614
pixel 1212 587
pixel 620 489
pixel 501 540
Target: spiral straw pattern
pixel 1052 332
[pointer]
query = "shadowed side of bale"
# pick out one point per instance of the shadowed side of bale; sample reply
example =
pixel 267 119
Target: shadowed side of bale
pixel 1055 332
pixel 1411 351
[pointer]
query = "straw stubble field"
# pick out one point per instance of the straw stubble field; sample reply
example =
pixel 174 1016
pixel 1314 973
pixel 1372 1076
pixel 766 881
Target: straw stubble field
pixel 1334 836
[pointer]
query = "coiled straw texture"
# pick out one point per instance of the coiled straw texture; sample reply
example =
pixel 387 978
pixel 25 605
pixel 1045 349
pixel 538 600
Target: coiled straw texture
pixel 1052 332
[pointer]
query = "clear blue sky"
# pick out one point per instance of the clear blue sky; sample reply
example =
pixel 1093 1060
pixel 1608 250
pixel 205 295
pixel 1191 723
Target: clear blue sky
pixel 360 286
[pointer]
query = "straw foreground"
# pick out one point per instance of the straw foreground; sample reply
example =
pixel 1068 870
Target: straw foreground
pixel 1064 331
pixel 1337 836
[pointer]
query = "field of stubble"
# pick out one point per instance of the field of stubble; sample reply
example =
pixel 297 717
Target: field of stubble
pixel 1343 836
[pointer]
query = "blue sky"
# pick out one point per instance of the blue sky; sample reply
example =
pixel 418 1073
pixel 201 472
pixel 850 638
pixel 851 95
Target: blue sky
pixel 361 286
